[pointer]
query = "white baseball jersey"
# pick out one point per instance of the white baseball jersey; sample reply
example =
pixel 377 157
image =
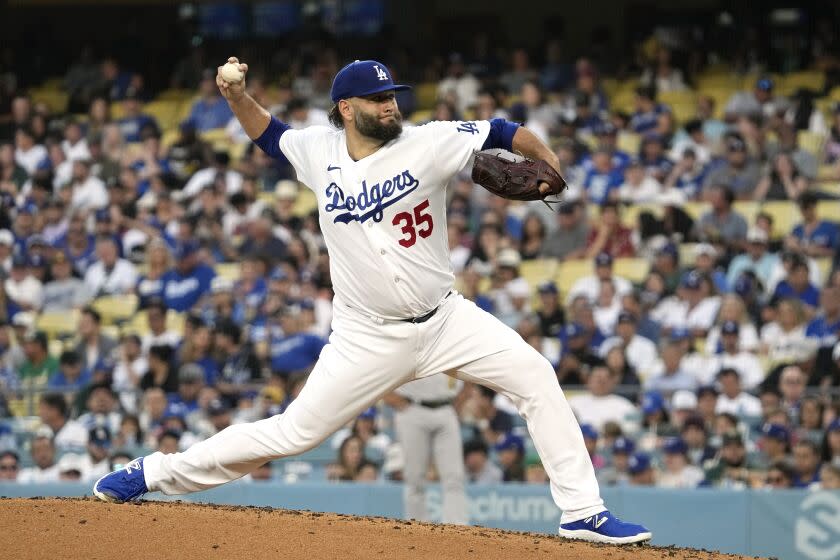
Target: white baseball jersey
pixel 384 217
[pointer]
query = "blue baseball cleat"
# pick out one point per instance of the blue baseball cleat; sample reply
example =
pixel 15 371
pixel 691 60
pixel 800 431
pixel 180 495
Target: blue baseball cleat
pixel 124 485
pixel 604 527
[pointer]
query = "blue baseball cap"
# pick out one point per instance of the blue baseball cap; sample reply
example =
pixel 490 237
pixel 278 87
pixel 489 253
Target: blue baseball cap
pixel 278 275
pixel 185 249
pixel 775 431
pixel 671 250
pixel 603 259
pixel 675 446
pixel 730 327
pixel 510 441
pixel 679 334
pixel 764 84
pixel 638 463
pixel 547 287
pixel 100 436
pixel 363 77
pixel 652 402
pixel 692 280
pixel 573 329
pixel 834 426
pixel 588 431
pixel 368 413
pixel 623 445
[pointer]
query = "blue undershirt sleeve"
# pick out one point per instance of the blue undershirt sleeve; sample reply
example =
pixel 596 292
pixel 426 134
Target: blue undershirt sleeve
pixel 269 141
pixel 501 135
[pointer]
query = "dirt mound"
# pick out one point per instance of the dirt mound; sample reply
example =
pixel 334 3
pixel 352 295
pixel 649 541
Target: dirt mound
pixel 85 528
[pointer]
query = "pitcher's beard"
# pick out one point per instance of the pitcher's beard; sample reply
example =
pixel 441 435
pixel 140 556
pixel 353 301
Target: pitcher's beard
pixel 372 127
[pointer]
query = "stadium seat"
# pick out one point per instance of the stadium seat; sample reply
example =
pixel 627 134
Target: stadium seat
pixel 630 214
pixel 696 209
pixel 176 95
pixel 58 324
pixel 748 209
pixel 569 272
pixel 55 99
pixel 306 202
pixel 687 253
pixel 634 269
pixel 426 95
pixel 629 142
pixel 165 112
pixel 812 143
pixel 140 323
pixel 116 310
pixel 808 79
pixel 538 271
pixel 824 264
pixel 785 216
pixel 421 115
pixel 827 210
pixel 230 271
pixel 624 100
pixel 683 103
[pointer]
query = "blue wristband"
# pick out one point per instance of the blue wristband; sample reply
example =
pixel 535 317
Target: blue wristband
pixel 269 141
pixel 501 135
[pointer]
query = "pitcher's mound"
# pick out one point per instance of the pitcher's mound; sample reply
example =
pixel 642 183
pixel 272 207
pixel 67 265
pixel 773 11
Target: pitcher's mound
pixel 88 529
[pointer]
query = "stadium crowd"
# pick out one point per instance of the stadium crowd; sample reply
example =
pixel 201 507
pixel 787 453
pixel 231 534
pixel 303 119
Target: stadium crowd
pixel 162 278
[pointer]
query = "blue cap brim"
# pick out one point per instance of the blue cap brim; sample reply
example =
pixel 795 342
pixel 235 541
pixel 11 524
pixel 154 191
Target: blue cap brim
pixel 380 89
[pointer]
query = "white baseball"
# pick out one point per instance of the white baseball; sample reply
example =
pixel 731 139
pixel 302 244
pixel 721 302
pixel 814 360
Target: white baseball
pixel 231 73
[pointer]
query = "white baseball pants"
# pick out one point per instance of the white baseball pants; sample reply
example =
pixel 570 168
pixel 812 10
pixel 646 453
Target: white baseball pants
pixel 368 357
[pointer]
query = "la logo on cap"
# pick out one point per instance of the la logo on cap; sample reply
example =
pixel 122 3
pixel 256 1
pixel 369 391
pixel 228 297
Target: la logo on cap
pixel 380 73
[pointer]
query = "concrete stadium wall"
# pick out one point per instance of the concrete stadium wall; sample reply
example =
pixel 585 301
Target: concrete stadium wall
pixel 785 524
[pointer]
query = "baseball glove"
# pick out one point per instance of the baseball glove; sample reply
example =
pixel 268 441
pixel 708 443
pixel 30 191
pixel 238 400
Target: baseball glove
pixel 516 180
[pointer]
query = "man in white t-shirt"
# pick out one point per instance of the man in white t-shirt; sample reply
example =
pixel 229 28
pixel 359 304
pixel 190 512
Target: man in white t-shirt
pixel 745 363
pixel 89 192
pixel 599 406
pixel 110 275
pixel 692 308
pixel 28 154
pixel 639 351
pixel 590 286
pixel 732 398
pixel 44 468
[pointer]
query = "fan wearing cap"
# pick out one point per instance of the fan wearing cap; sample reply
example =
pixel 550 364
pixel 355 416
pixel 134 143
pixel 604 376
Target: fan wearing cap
pixel 110 274
pixel 189 281
pixel 814 237
pixel 602 179
pixel 589 286
pixel 694 307
pixel 756 258
pixel 568 241
pixel 638 187
pixel 210 111
pixel 22 288
pixel 678 471
pixel 510 451
pixel 733 399
pixel 550 314
pixel 750 371
pixel 649 115
pixel 760 101
pixel 641 470
pixel 616 473
pixel 668 373
pixel 219 170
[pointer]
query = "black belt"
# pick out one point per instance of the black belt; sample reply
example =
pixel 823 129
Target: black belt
pixel 427 316
pixel 433 404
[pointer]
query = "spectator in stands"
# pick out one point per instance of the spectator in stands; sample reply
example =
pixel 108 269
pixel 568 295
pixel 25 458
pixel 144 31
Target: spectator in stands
pixel 732 309
pixel 792 383
pixel 617 472
pixel 490 423
pixel 74 145
pixel 569 239
pixel 731 355
pixel 653 158
pixel 71 375
pixel 780 476
pixel 649 115
pixel 220 416
pixel 830 476
pixel 93 345
pixel 797 286
pixel 197 349
pixel 460 83
pixel 9 466
pixel 733 399
pixel 110 274
pixel 814 237
pixel 667 374
pixel 832 144
pixel 694 307
pixel 831 442
pixel 168 442
pixel 758 102
pixel 774 443
pixel 740 174
pixel 533 237
pixel 219 176
pixel 64 291
pixel 731 468
pixel 28 153
pixel 211 111
pixel 721 225
pixel 86 191
pixel 161 372
pixel 510 450
pixel 599 405
pixel 238 365
pixel 44 468
pixel 54 413
pixel 184 285
pixel 550 314
pixel 641 470
pixel 806 464
pixel 150 283
pixel 479 468
pixel 589 286
pixel 784 339
pixel 638 186
pixel 39 365
pixel 784 182
pixel 95 463
pixel 678 471
pixel 602 181
pixel 293 350
pixel 351 456
pixel 22 287
pixel 694 433
pixel 520 71
pixel 158 333
pixel 757 258
pixel 641 352
pixel 661 75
